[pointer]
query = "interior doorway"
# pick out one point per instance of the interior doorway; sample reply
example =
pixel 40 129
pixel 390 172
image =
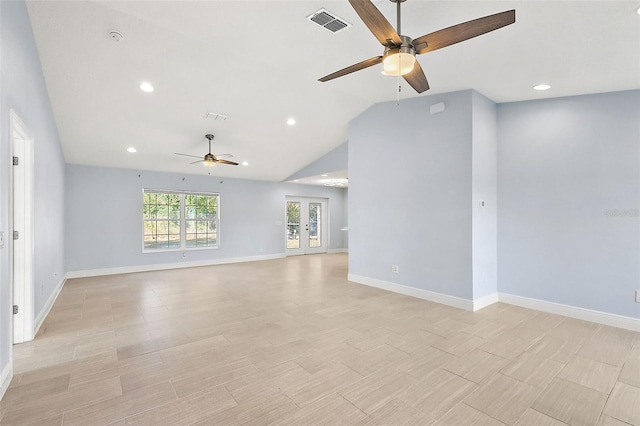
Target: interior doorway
pixel 21 230
pixel 306 230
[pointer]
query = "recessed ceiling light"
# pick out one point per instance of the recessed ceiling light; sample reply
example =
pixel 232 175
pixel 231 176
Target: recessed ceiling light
pixel 131 149
pixel 638 11
pixel 245 163
pixel 145 86
pixel 291 121
pixel 324 175
pixel 541 87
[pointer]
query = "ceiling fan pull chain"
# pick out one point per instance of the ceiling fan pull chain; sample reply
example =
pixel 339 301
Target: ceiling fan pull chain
pixel 399 90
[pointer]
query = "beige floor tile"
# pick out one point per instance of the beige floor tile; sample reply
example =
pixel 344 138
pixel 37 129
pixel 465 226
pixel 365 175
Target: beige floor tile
pixel 610 421
pixel 613 354
pixel 120 407
pixel 555 348
pixel 630 373
pixel 423 363
pixel 532 417
pixel 186 410
pixel 36 389
pixel 414 341
pixel 279 377
pixel 374 391
pixel 259 409
pixel 397 413
pixel 437 393
pixel 624 404
pixel 330 410
pixel 571 403
pixel 265 335
pixel 592 374
pixel 365 363
pixel 487 329
pixel 26 411
pixel 321 384
pixel 462 414
pixel 476 366
pixel 532 369
pixel 503 398
pixel 460 344
pixel 207 378
pixel 544 321
pixel 445 327
pixel 506 347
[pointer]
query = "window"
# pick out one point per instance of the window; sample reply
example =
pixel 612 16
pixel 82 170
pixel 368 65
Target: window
pixel 179 220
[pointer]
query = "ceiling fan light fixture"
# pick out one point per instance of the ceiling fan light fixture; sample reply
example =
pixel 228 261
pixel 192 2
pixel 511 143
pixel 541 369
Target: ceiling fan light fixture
pixel 398 62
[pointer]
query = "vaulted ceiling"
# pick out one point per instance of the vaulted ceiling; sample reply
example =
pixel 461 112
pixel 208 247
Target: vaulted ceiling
pixel 258 62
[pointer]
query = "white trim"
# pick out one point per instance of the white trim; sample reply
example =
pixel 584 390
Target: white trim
pixel 445 299
pixel 485 301
pixel 48 305
pixel 599 317
pixel 5 378
pixel 23 293
pixel 337 250
pixel 164 266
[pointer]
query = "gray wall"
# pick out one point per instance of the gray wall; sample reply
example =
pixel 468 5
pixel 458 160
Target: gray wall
pixel 568 200
pixel 410 194
pixel 484 188
pixel 23 90
pixel 104 216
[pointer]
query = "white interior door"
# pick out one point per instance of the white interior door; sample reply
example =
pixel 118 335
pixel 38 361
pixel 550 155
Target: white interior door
pixel 306 230
pixel 22 226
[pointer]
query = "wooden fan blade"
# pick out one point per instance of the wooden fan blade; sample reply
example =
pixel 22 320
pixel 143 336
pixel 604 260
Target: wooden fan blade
pixel 417 79
pixel 353 68
pixel 200 161
pixel 188 155
pixel 223 155
pixel 226 162
pixel 376 22
pixel 461 32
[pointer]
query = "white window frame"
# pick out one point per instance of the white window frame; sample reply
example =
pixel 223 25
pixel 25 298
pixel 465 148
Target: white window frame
pixel 182 219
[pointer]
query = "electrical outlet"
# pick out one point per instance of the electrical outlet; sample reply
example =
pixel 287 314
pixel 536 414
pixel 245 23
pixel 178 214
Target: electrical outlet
pixel 637 296
pixel 395 269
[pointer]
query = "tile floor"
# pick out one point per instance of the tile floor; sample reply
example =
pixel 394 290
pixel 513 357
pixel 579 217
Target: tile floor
pixel 291 341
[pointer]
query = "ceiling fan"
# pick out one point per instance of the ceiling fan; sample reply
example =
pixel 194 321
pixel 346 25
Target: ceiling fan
pixel 209 158
pixel 399 57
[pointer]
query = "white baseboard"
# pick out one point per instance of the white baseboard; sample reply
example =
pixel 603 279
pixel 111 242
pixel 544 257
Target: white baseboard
pixel 338 250
pixel 5 378
pixel 445 299
pixel 485 301
pixel 613 320
pixel 163 266
pixel 48 305
pixel 599 317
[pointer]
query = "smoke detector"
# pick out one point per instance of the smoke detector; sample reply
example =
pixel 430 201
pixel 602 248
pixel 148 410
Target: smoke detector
pixel 116 36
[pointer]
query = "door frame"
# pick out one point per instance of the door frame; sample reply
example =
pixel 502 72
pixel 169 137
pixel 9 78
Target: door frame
pixel 324 235
pixel 21 212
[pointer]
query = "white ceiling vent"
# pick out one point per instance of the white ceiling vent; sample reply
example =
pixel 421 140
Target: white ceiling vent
pixel 328 20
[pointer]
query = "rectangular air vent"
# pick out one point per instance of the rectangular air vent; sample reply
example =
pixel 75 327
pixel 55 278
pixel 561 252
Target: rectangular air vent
pixel 328 20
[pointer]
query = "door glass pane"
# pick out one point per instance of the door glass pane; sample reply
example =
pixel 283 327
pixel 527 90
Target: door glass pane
pixel 293 225
pixel 315 209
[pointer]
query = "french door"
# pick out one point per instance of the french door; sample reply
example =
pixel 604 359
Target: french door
pixel 306 230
